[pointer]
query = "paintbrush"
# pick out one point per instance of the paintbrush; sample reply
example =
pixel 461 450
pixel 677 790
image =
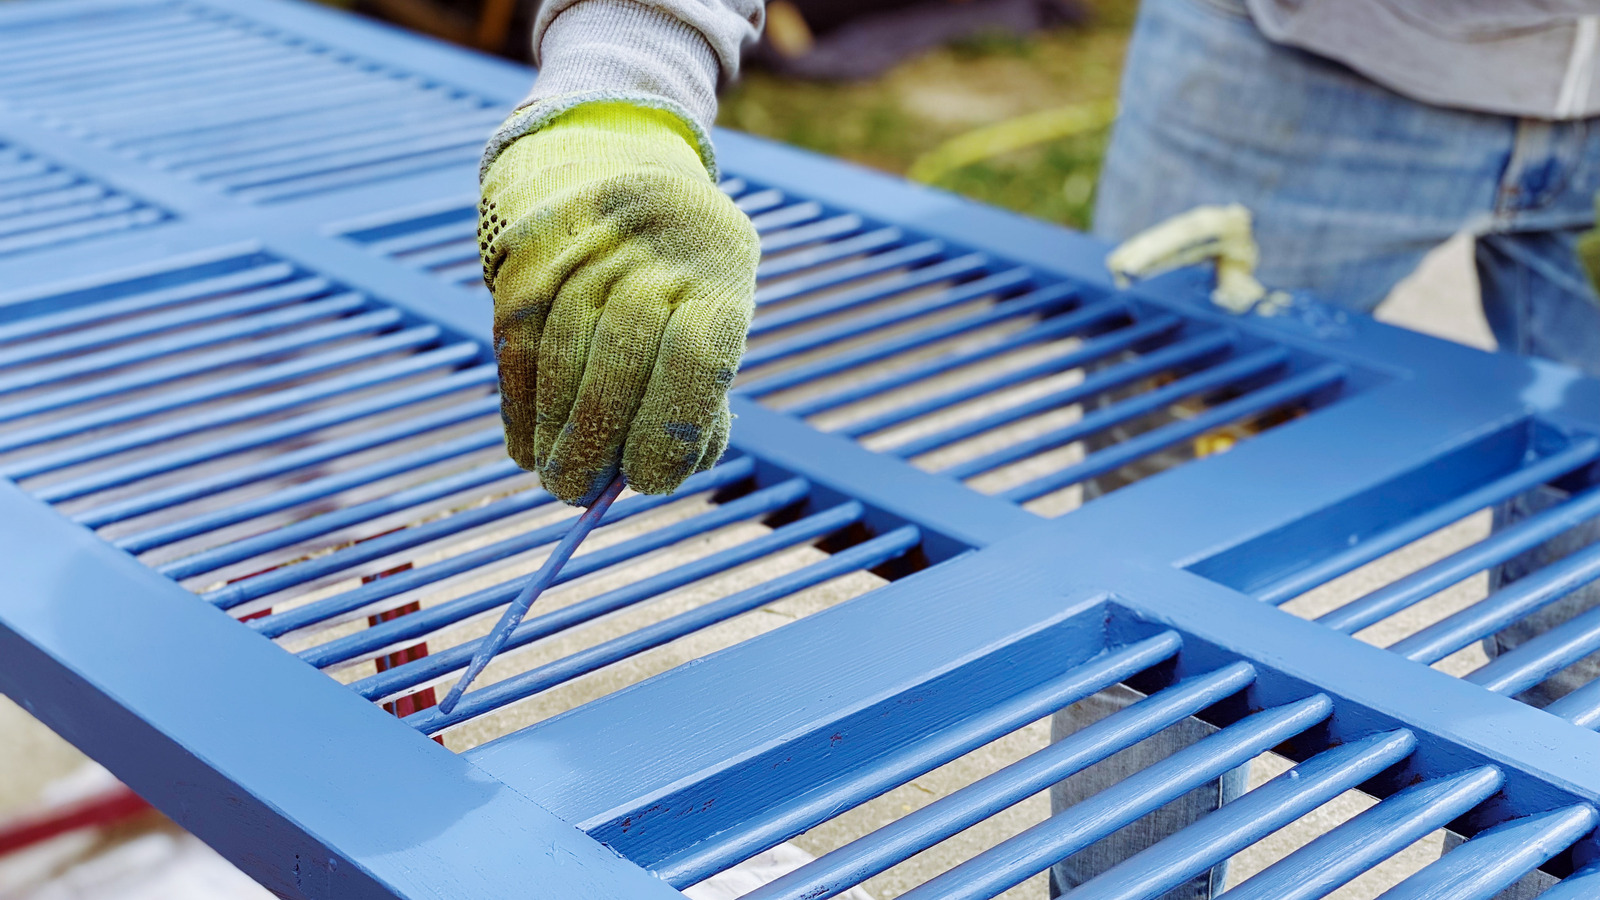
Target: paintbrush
pixel 496 641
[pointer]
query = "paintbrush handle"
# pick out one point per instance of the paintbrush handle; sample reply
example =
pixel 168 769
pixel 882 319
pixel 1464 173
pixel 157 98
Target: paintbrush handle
pixel 496 641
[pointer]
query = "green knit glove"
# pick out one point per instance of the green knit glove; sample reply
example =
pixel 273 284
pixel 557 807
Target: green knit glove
pixel 623 284
pixel 1589 248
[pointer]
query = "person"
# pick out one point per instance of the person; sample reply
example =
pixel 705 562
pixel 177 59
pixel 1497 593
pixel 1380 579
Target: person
pixel 623 279
pixel 1359 133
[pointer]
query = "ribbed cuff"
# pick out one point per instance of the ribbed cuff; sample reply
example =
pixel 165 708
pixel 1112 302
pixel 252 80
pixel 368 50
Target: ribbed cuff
pixel 529 119
pixel 618 50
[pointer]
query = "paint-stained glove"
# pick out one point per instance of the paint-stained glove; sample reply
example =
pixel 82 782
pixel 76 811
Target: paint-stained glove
pixel 1221 233
pixel 623 284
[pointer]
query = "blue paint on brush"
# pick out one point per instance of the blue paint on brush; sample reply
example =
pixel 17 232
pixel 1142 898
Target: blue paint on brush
pixel 536 585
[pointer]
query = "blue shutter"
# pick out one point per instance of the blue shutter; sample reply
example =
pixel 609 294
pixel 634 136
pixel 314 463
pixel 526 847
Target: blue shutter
pixel 255 509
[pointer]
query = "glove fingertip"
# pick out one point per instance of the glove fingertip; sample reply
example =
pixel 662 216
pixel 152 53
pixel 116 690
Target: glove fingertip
pixel 659 457
pixel 721 430
pixel 575 486
pixel 519 434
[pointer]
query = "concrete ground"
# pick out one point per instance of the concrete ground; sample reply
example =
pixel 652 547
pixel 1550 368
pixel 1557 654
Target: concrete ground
pixel 1440 299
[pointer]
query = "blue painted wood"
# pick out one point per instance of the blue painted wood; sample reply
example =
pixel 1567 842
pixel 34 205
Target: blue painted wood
pixel 290 398
pixel 836 226
pixel 60 308
pixel 1178 356
pixel 1579 885
pixel 1266 399
pixel 159 499
pixel 82 339
pixel 779 350
pixel 311 178
pixel 917 831
pixel 872 553
pixel 217 557
pixel 259 377
pixel 1013 861
pixel 42 203
pixel 1507 605
pixel 1043 301
pixel 1255 815
pixel 321 611
pixel 434 618
pixel 1503 545
pixel 1333 859
pixel 858 270
pixel 1581 707
pixel 1226 374
pixel 1542 656
pixel 1091 351
pixel 1496 859
pixel 906 763
pixel 461 381
pixel 826 253
pixel 79 661
pixel 491 645
pixel 1499 549
pixel 249 328
pixel 323 487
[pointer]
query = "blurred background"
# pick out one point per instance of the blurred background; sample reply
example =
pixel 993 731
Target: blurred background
pixel 1006 101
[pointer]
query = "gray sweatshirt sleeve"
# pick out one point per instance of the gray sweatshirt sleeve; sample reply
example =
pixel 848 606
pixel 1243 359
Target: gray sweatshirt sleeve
pixel 666 54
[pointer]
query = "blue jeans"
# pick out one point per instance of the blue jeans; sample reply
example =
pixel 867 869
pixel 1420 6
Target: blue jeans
pixel 1350 185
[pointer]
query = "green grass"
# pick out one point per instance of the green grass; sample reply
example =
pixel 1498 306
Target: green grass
pixel 890 121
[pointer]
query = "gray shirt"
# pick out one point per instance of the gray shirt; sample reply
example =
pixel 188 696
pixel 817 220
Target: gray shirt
pixel 1533 58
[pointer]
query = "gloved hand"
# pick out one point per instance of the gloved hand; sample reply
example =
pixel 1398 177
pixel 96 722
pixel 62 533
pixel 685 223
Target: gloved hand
pixel 1222 233
pixel 623 284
